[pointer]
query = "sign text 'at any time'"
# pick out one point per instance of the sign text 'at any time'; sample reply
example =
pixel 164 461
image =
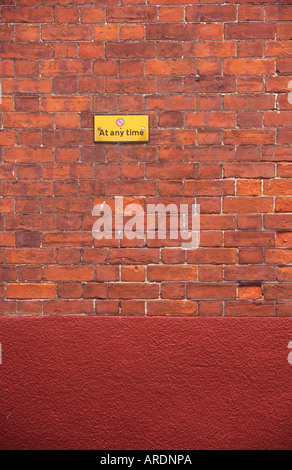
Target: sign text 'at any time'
pixel 121 128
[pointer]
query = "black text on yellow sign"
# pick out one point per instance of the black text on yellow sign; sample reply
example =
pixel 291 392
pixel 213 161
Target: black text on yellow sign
pixel 121 128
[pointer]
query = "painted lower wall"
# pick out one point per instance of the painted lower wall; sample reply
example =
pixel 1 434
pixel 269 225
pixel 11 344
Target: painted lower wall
pixel 145 383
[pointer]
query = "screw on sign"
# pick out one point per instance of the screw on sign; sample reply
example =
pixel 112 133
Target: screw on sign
pixel 120 122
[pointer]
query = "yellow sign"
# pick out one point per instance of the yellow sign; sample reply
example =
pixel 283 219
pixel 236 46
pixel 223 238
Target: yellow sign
pixel 121 128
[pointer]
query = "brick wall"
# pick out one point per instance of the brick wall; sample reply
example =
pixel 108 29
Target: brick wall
pixel 214 79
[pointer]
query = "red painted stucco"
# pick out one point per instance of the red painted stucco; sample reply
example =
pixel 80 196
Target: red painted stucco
pixel 145 383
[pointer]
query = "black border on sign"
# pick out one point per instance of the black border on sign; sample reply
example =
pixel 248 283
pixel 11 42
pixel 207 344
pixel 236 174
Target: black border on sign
pixel 120 141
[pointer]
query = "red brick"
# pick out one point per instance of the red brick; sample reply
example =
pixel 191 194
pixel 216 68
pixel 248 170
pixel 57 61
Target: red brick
pixel 243 136
pixel 31 120
pixel 69 290
pixel 134 255
pixel 283 204
pixel 248 66
pixel 217 222
pixel 129 50
pixel 133 273
pixel 92 14
pixel 211 291
pixel 170 49
pixel 248 204
pixel 26 103
pixel 206 13
pixel 106 307
pixel 209 67
pixel 170 102
pixel 212 256
pixel 278 291
pixel 131 14
pixel 65 50
pixel 6 69
pixel 132 307
pixel 66 32
pixel 29 137
pixel 283 31
pixel 29 171
pixel 278 48
pixel 173 290
pixel 249 187
pixel 248 102
pixel 284 136
pixel 278 187
pixel 241 238
pixel 29 307
pixel 68 307
pixel 185 32
pixel 277 221
pixel 249 273
pixel 278 256
pixel 175 273
pixel 284 273
pixel 6 239
pixel 132 290
pixel 133 85
pixel 8 273
pixel 26 85
pixel 210 31
pixel 202 85
pixel 251 12
pixel 247 84
pixel 209 188
pixel 249 222
pixel 206 119
pixel 31 291
pixel 27 14
pixel 27 205
pixel 67 137
pixel 24 188
pixel 94 290
pixel 210 308
pixel 69 256
pixel 131 31
pixel 26 68
pixel 279 12
pixel 30 50
pixel 30 255
pixel 69 273
pixel 284 65
pixel 249 31
pixel 28 154
pixel 169 14
pixel 248 49
pixel 170 170
pixel 247 308
pixel 108 32
pixel 171 307
pixel 91 51
pixel 210 273
pixel 65 68
pixel 283 309
pixel 209 49
pixel 170 67
pixel 66 14
pixel 6 32
pixel 27 33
